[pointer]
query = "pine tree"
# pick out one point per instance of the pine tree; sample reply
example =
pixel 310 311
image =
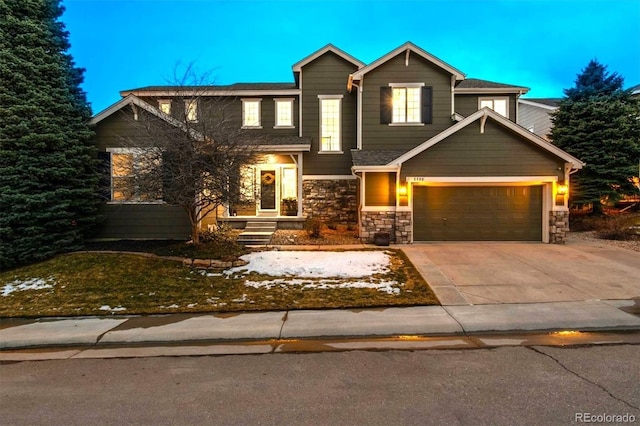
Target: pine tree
pixel 48 179
pixel 597 122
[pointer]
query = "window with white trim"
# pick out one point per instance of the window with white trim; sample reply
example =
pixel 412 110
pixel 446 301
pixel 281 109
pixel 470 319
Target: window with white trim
pixel 136 175
pixel 499 105
pixel 406 105
pixel 284 112
pixel 191 110
pixel 330 123
pixel 165 106
pixel 251 113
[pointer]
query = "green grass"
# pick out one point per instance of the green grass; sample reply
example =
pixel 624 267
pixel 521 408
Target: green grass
pixel 84 282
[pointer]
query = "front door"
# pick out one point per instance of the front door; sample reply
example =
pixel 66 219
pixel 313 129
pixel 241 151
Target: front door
pixel 268 190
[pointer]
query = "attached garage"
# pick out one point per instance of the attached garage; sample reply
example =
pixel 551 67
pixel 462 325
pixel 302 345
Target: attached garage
pixel 477 213
pixel 483 179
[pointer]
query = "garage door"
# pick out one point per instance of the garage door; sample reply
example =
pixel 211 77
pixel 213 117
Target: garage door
pixel 477 213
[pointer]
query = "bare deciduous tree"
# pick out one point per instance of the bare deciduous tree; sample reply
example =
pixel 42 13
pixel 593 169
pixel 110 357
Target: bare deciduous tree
pixel 193 155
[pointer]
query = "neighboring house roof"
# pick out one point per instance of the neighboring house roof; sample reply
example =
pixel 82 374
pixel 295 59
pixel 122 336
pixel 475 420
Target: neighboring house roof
pixel 635 90
pixel 409 47
pixel 368 160
pixel 246 89
pixel 328 48
pixel 546 103
pixel 476 85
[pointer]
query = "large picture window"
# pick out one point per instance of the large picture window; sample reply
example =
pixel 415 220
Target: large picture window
pixel 136 175
pixel 330 125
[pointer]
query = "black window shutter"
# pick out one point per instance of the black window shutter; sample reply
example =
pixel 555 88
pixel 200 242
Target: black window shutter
pixel 427 105
pixel 386 104
pixel 104 170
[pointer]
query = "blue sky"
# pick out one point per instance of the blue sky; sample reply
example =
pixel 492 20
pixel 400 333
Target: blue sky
pixel 540 44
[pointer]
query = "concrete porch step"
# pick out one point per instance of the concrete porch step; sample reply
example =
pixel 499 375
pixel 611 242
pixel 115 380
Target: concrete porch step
pixel 257 233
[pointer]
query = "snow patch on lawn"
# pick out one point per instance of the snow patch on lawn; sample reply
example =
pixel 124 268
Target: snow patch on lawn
pixel 110 309
pixel 315 264
pixel 389 287
pixel 322 270
pixel 28 284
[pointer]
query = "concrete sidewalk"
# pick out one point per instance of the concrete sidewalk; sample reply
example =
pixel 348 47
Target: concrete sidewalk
pixel 309 324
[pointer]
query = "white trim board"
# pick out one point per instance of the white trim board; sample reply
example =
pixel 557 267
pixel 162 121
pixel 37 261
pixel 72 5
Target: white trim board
pixel 409 47
pixel 297 67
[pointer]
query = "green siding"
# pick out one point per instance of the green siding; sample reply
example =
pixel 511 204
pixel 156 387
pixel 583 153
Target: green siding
pixel 497 152
pixel 380 189
pixel 328 75
pixel 468 104
pixel 144 221
pixel 216 109
pixel 383 136
pixel 120 130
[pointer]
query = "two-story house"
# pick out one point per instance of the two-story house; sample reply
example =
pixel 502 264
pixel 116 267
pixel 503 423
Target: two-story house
pixel 406 145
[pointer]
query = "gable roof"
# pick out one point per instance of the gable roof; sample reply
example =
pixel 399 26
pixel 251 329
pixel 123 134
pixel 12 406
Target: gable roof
pixel 409 47
pixel 297 67
pixel 132 100
pixel 476 85
pixel 484 114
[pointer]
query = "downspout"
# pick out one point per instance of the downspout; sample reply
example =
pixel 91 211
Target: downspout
pixel 359 178
pixel 359 115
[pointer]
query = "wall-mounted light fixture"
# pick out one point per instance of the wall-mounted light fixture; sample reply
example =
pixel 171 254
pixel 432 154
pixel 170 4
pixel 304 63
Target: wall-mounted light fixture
pixel 402 189
pixel 563 189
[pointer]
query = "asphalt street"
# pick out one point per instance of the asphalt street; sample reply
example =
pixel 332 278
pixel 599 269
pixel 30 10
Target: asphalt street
pixel 500 386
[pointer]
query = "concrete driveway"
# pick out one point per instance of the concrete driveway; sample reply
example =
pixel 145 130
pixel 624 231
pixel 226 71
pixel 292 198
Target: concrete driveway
pixel 472 273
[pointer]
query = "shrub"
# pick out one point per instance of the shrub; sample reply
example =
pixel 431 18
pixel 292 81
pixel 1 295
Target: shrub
pixel 313 227
pixel 615 228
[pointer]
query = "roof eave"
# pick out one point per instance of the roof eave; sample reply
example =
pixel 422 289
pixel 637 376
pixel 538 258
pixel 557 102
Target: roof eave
pixel 156 93
pixel 412 47
pixel 297 67
pixel 375 168
pixel 491 90
pixel 284 148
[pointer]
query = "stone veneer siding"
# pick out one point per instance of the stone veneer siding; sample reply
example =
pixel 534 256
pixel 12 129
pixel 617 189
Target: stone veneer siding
pixel 558 227
pixel 397 224
pixel 330 200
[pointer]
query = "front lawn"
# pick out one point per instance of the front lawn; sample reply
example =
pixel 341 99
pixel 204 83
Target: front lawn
pixel 124 284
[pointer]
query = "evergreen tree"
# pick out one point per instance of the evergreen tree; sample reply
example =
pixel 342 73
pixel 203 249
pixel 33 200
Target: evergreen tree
pixel 597 122
pixel 48 178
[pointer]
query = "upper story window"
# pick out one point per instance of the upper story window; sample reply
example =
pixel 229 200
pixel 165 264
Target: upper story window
pixel 284 113
pixel 165 106
pixel 499 105
pixel 406 104
pixel 191 110
pixel 251 113
pixel 135 175
pixel 330 123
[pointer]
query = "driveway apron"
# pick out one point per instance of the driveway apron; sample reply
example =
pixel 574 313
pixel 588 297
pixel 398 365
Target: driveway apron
pixel 472 273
